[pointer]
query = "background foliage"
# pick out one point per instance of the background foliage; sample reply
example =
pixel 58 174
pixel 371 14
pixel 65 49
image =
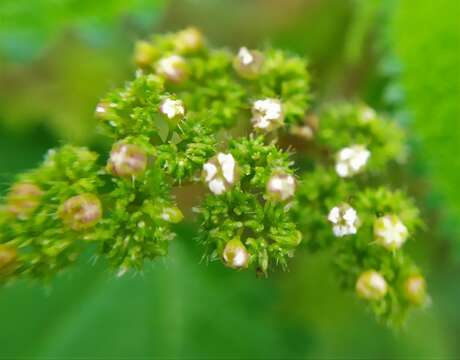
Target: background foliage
pixel 395 55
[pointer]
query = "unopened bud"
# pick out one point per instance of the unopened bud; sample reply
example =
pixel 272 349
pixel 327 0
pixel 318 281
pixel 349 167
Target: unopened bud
pixel 189 40
pixel 81 211
pixel 172 109
pixel 371 285
pixel 235 255
pixel 308 129
pixel 144 54
pixel 415 290
pixel 281 186
pixel 173 68
pixel 248 63
pixel 23 199
pixel 127 160
pixel 172 214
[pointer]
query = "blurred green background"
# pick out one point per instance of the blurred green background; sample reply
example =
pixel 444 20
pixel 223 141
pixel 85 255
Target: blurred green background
pixel 57 57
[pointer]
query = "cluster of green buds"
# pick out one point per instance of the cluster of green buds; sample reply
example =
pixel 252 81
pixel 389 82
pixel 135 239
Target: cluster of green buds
pixel 170 128
pixel 365 228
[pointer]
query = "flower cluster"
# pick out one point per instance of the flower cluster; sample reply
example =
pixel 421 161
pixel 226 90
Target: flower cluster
pixel 365 227
pixel 169 128
pixel 249 224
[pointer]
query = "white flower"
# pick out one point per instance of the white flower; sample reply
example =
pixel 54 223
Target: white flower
pixel 344 220
pixel 172 108
pixel 371 285
pixel 351 160
pixel 173 68
pixel 220 173
pixel 390 232
pixel 267 114
pixel 281 186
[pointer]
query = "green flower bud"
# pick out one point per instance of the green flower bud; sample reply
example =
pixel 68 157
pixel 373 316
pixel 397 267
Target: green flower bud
pixel 8 258
pixel 371 285
pixel 247 63
pixel 415 290
pixel 235 255
pixel 145 54
pixel 81 212
pixel 23 199
pixel 127 160
pixel 189 40
pixel 173 68
pixel 172 214
pixel 390 232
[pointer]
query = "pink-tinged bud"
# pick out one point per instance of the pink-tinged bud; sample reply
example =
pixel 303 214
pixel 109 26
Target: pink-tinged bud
pixel 8 258
pixel 81 212
pixel 415 290
pixel 23 199
pixel 371 285
pixel 173 68
pixel 189 41
pixel 172 109
pixel 248 63
pixel 235 255
pixel 127 160
pixel 145 54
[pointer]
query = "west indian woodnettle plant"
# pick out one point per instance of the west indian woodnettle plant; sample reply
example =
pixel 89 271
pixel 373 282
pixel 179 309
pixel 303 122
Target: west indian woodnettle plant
pixel 279 178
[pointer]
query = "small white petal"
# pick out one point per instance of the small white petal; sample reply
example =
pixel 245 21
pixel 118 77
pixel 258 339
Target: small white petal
pixel 217 186
pixel 276 184
pixel 245 56
pixel 227 163
pixel 210 170
pixel 350 216
pixel 239 259
pixel 342 170
pixel 334 215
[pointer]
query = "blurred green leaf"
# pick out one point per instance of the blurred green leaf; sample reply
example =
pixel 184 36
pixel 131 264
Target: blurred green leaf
pixel 28 27
pixel 426 39
pixel 178 308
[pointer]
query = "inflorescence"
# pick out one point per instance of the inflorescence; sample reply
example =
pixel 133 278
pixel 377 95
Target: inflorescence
pixel 170 127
